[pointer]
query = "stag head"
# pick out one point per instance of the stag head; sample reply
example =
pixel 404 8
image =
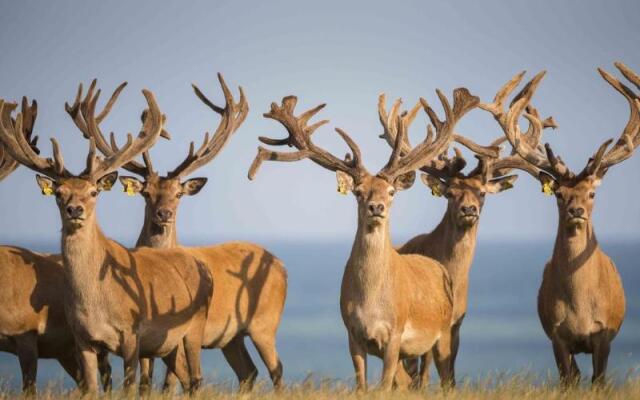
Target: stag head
pixel 575 193
pixel 162 193
pixel 75 194
pixel 374 192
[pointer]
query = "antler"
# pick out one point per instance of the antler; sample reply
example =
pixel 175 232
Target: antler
pixel 7 163
pixel 421 154
pixel 15 134
pixel 151 130
pixel 630 137
pixel 527 147
pixel 300 138
pixel 442 166
pixel 79 110
pixel 233 115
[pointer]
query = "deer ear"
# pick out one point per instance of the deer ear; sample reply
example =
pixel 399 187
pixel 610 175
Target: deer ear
pixel 438 188
pixel 345 182
pixel 501 184
pixel 405 181
pixel 131 185
pixel 106 182
pixel 193 186
pixel 46 185
pixel 549 185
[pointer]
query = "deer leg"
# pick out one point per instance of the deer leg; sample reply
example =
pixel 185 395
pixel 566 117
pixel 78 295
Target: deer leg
pixel 27 351
pixel 455 342
pixel 390 361
pixel 176 369
pixel 71 366
pixel 130 355
pixel 403 379
pixel 192 349
pixel 265 343
pixel 146 375
pixel 104 367
pixel 425 362
pixel 563 361
pixel 574 373
pixel 600 357
pixel 444 361
pixel 236 354
pixel 359 358
pixel 89 365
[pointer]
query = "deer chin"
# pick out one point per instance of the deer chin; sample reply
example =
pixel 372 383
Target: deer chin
pixel 375 220
pixel 576 222
pixel 468 220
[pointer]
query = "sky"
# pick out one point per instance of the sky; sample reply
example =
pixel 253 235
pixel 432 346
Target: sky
pixel 335 52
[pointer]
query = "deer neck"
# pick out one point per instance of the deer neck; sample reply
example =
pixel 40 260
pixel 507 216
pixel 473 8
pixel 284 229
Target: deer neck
pixel 574 245
pixel 84 251
pixel 370 262
pixel 455 245
pixel 157 236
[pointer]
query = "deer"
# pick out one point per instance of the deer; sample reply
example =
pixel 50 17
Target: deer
pixel 453 241
pixel 393 305
pixel 33 324
pixel 133 303
pixel 251 283
pixel 581 302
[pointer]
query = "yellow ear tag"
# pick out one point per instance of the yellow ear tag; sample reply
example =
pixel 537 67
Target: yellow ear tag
pixel 47 191
pixel 435 191
pixel 342 187
pixel 129 189
pixel 547 189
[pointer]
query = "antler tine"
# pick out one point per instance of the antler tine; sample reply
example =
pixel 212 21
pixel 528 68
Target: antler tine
pixel 151 130
pixel 428 149
pixel 630 137
pixel 390 124
pixel 300 138
pixel 7 163
pixel 17 144
pixel 528 147
pixel 233 115
pixel 79 113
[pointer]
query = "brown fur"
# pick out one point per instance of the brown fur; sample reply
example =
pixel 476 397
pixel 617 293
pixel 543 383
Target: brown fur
pixel 453 242
pixel 144 302
pixel 581 300
pixel 393 305
pixel 251 283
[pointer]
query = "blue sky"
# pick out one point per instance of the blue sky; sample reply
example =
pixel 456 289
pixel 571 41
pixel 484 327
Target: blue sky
pixel 341 53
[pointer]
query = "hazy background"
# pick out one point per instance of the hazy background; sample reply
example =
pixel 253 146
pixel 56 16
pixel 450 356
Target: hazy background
pixel 344 54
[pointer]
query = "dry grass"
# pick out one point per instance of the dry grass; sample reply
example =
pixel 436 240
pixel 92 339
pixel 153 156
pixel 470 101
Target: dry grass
pixel 520 387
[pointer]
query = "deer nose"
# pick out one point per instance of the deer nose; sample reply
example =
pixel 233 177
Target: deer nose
pixel 469 210
pixel 376 208
pixel 75 211
pixel 576 211
pixel 164 214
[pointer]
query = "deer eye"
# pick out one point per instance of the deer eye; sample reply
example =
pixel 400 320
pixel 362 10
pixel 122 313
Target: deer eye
pixel 94 193
pixel 483 193
pixel 357 192
pixel 592 195
pixel 179 195
pixel 392 192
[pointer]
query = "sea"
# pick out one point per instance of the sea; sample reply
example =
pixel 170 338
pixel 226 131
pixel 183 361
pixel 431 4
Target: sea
pixel 501 334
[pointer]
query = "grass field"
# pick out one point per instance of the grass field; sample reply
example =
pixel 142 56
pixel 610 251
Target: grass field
pixel 519 387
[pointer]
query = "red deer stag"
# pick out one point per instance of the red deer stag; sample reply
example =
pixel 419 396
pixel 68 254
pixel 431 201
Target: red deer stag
pixel 581 300
pixel 34 324
pixel 453 241
pixel 393 305
pixel 250 282
pixel 144 302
